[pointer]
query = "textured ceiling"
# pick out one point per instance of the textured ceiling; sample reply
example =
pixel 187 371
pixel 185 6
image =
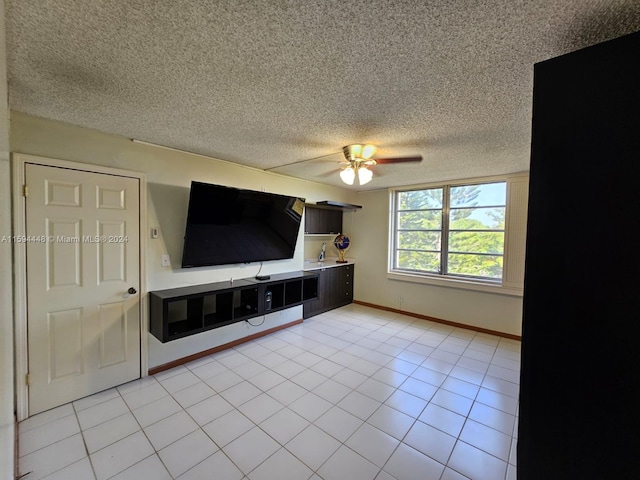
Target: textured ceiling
pixel 269 83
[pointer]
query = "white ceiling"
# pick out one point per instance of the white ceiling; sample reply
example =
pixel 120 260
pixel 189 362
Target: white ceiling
pixel 267 83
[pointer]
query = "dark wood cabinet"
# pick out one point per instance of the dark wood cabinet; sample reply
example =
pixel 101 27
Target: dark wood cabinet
pixel 344 281
pixel 335 289
pixel 179 312
pixel 580 370
pixel 322 220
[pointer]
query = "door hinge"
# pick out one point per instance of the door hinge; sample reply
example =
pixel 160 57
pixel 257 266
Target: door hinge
pixel 25 190
pixel 27 379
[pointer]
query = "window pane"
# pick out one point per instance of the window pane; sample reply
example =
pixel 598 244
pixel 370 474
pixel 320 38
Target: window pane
pixel 485 194
pixel 420 199
pixel 423 261
pixel 476 242
pixel 419 240
pixel 423 220
pixel 477 218
pixel 474 229
pixel 489 266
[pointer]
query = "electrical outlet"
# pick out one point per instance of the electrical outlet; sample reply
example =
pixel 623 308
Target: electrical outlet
pixel 165 260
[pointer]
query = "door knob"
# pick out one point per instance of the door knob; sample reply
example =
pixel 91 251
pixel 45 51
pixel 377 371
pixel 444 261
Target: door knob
pixel 132 290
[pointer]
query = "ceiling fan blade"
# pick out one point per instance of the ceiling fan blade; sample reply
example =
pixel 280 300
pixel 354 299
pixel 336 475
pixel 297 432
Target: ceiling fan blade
pixel 322 158
pixel 399 160
pixel 329 174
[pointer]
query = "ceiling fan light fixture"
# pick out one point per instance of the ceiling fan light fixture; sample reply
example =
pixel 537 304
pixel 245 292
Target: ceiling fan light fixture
pixel 368 151
pixel 358 151
pixel 355 151
pixel 364 175
pixel 359 159
pixel 348 175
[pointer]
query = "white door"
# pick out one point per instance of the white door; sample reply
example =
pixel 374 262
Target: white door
pixel 83 311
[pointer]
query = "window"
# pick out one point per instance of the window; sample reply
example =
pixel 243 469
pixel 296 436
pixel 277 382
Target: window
pixel 455 231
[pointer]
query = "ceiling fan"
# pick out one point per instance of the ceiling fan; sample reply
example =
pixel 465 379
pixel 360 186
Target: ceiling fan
pixel 359 159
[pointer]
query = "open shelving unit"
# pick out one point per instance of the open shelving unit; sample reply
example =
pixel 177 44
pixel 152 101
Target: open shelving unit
pixel 288 290
pixel 180 312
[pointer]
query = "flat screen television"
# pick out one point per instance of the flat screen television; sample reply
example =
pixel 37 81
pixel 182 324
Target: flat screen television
pixel 227 225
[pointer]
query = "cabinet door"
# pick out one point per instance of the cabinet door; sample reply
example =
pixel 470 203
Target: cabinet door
pixel 315 307
pixel 327 293
pixel 322 220
pixel 333 287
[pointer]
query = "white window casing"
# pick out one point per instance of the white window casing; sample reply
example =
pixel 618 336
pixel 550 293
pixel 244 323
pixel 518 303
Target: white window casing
pixel 514 241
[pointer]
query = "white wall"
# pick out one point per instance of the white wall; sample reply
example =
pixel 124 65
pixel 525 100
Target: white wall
pixel 169 175
pixel 6 295
pixel 502 313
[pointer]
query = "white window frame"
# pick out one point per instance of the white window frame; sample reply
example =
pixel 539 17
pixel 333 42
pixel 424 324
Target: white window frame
pixel 515 237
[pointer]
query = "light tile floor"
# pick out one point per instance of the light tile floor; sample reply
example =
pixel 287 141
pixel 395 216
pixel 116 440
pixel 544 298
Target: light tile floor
pixel 355 393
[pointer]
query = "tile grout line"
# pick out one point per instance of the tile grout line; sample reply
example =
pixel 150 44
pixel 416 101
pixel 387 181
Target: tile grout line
pixel 364 346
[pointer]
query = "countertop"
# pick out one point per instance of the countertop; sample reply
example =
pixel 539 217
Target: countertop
pixel 310 265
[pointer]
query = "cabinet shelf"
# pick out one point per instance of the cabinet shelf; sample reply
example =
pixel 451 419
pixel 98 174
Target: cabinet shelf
pixel 290 290
pixel 340 205
pixel 180 312
pixel 179 328
pixel 213 319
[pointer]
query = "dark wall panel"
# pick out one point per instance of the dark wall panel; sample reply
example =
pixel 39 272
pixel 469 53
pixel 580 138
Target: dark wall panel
pixel 580 377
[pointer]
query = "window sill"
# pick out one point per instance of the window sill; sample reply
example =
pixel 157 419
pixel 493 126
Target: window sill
pixel 464 284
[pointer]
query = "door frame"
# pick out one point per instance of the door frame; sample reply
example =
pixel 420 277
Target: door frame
pixel 18 163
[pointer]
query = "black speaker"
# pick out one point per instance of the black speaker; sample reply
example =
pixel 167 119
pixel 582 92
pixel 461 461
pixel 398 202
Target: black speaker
pixel 267 300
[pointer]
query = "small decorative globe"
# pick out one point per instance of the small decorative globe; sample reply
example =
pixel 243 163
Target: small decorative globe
pixel 342 244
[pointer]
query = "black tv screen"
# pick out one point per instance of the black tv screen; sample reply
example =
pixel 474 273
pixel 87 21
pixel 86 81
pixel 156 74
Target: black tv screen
pixel 228 225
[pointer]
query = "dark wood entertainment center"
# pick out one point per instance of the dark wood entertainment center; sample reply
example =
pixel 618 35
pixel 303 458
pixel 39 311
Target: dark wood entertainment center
pixel 179 312
pixel 244 306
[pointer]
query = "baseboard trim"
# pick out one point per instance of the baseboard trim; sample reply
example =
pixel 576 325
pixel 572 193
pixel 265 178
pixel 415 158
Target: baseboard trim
pixel 440 320
pixel 225 346
pixel 16 446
